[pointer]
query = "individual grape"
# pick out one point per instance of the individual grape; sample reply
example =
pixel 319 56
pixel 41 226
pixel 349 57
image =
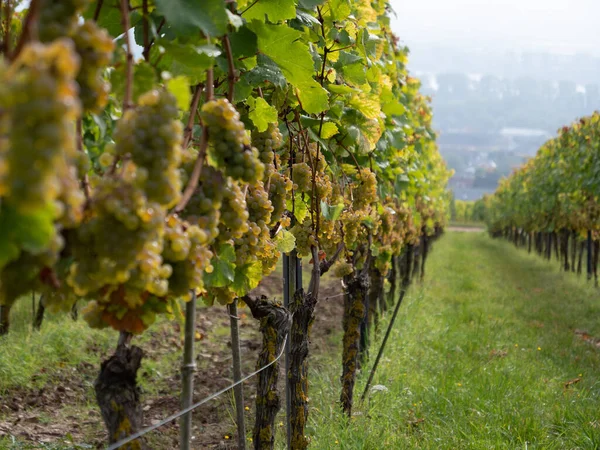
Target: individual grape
pixel 230 145
pixel 151 135
pixel 302 177
pixel 58 18
pixel 95 47
pixel 267 142
pixel 41 108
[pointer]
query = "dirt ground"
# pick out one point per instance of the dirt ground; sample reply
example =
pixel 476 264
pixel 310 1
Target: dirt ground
pixel 64 414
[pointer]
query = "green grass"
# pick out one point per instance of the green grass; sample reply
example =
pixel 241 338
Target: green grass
pixel 478 359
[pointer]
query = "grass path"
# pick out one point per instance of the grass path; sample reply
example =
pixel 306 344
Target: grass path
pixel 479 359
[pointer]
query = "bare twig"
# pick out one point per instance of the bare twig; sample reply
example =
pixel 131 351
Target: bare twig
pixel 189 128
pixel 146 25
pixel 127 98
pixel 231 67
pixel 197 171
pixel 98 9
pixel 85 184
pixel 28 32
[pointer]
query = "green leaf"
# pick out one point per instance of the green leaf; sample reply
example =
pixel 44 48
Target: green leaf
pixel 265 70
pixel 284 46
pixel 144 80
pixel 223 272
pixel 247 277
pixel 275 10
pixel 331 212
pixel 261 113
pixel 180 88
pixel 329 130
pixel 188 59
pixel 184 16
pixel 243 43
pixel 285 241
pixel 298 206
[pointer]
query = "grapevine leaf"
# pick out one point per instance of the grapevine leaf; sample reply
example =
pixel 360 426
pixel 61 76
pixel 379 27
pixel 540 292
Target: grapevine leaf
pixel 144 79
pixel 275 10
pixel 223 268
pixel 243 43
pixel 331 212
pixel 285 241
pixel 329 130
pixel 186 15
pixel 247 277
pixel 265 70
pixel 298 206
pixel 188 59
pixel 283 45
pixel 261 113
pixel 180 88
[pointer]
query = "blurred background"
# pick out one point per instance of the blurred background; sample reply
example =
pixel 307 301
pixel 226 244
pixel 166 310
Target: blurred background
pixel 503 75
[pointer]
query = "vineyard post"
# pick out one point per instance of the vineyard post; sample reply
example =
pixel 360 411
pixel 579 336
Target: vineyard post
pixel 238 390
pixel 187 372
pixel 589 255
pixel 288 290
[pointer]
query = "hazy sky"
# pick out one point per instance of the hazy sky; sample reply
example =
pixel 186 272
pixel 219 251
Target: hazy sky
pixel 564 26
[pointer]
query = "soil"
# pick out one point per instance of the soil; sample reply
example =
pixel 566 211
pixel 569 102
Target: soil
pixel 64 412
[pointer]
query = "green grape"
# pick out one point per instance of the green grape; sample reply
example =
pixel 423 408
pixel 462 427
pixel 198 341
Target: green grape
pixel 230 144
pixel 302 177
pixel 151 135
pixel 58 18
pixel 234 213
pixel 41 108
pixel 267 142
pixel 95 47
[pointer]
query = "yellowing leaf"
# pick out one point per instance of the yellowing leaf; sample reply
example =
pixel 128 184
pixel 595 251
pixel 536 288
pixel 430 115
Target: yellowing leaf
pixel 275 10
pixel 261 113
pixel 180 88
pixel 329 130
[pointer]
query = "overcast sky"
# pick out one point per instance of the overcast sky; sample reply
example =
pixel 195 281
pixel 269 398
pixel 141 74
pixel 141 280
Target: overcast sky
pixel 562 26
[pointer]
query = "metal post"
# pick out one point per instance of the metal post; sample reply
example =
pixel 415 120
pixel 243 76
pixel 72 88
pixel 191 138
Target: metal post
pixel 238 391
pixel 187 373
pixel 589 255
pixel 292 273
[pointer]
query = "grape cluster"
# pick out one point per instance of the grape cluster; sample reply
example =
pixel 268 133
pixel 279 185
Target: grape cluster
pixel 352 228
pixel 123 234
pixel 186 254
pixel 234 212
pixel 305 238
pixel 41 102
pixel 365 189
pixel 302 177
pixel 151 135
pixel 58 18
pixel 230 145
pixel 341 269
pixel 95 47
pixel 204 208
pixel 267 142
pixel 279 188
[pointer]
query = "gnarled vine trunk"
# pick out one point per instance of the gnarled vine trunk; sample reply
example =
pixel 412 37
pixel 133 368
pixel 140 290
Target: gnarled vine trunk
pixel 118 395
pixel 275 323
pixel 4 319
pixel 357 287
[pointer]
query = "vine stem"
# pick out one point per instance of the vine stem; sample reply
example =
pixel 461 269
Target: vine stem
pixel 231 68
pixel 28 32
pixel 85 183
pixel 195 177
pixel 127 98
pixel 98 9
pixel 146 51
pixel 189 127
